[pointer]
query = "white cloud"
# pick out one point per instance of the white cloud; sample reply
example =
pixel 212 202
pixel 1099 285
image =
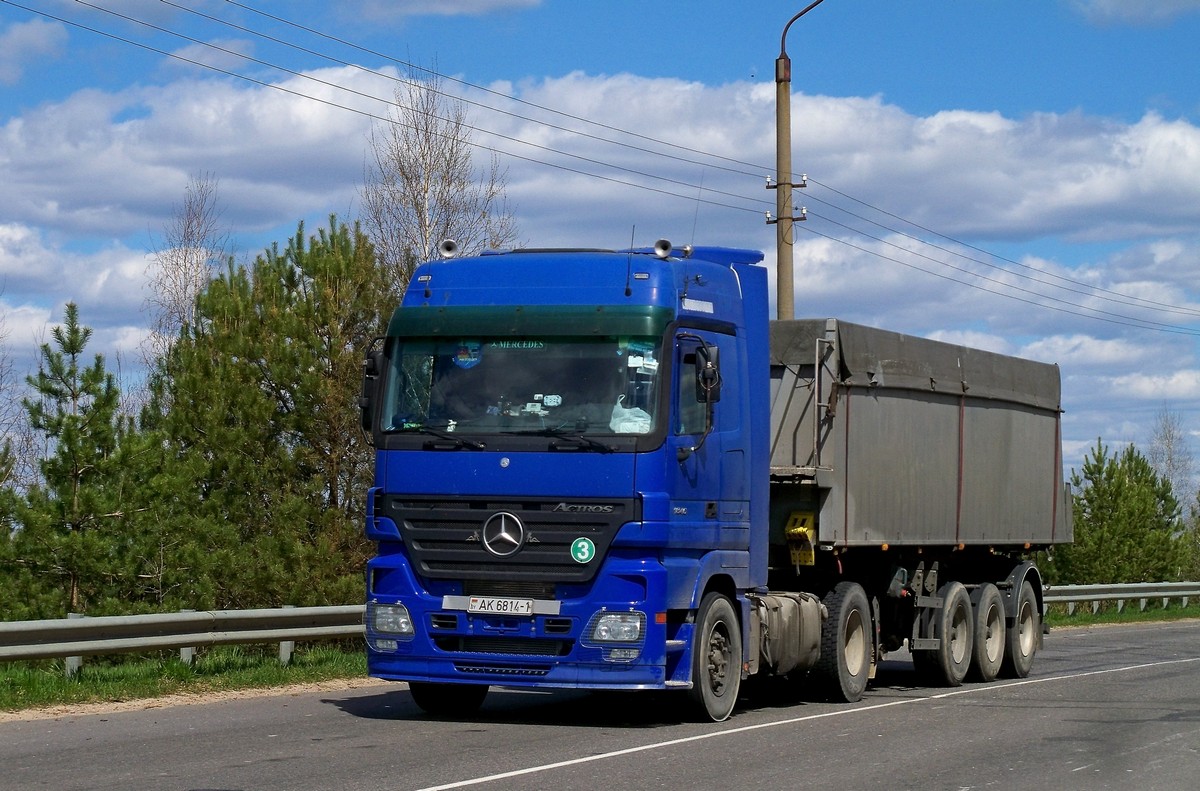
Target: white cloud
pixel 215 54
pixel 22 42
pixel 1083 352
pixel 112 166
pixel 108 286
pixel 975 340
pixel 388 9
pixel 1135 11
pixel 1184 384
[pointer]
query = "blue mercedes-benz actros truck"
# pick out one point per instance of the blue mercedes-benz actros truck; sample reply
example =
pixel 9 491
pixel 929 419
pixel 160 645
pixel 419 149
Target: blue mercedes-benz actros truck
pixel 610 470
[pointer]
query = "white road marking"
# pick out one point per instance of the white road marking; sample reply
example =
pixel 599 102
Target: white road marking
pixel 792 721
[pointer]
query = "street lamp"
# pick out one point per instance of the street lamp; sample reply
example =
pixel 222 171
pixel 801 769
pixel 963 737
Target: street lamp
pixel 785 297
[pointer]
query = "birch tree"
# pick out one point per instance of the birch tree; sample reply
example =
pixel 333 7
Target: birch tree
pixel 1170 456
pixel 191 253
pixel 421 186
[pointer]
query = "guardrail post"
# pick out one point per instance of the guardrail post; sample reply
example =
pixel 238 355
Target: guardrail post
pixel 187 655
pixel 286 646
pixel 72 664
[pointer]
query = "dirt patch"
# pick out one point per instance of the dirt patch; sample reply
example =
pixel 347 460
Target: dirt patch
pixel 187 699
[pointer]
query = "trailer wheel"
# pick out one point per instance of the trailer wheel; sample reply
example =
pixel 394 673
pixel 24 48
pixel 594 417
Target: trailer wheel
pixel 988 650
pixel 716 658
pixel 447 700
pixel 955 627
pixel 845 660
pixel 1022 639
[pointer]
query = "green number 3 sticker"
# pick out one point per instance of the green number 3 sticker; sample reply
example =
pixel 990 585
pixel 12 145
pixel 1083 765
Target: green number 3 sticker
pixel 583 550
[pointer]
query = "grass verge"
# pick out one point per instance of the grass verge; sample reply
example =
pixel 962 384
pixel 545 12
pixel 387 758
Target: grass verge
pixel 33 685
pixel 1130 613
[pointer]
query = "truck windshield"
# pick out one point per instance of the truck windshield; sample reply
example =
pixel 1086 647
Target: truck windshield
pixel 594 385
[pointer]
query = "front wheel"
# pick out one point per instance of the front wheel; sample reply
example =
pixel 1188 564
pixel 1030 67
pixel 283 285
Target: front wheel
pixel 846 644
pixel 716 658
pixel 447 700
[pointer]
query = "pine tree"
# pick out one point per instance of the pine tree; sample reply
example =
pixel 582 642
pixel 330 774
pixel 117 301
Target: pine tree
pixel 1128 525
pixel 267 462
pixel 72 520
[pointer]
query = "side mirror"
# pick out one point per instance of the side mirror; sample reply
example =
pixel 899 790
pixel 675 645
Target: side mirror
pixel 372 365
pixel 708 374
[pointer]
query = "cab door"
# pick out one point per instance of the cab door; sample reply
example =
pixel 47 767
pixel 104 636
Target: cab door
pixel 709 489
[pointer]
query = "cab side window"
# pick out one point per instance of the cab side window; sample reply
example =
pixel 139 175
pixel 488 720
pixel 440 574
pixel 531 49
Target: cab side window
pixel 690 413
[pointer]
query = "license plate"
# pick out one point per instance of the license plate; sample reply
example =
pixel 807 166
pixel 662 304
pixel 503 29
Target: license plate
pixel 492 605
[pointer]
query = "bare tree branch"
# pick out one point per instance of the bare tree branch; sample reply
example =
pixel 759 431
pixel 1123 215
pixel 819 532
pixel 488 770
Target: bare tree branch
pixel 422 187
pixel 191 252
pixel 1171 457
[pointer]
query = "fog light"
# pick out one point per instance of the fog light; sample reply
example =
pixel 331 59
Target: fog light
pixel 384 645
pixel 622 654
pixel 391 619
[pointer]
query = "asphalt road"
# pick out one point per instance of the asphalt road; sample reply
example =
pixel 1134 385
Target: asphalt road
pixel 1105 708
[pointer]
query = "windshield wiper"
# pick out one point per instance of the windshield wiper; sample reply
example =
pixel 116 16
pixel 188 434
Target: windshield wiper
pixel 581 441
pixel 457 443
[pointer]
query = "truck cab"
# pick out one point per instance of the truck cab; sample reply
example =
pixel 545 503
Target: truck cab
pixel 565 469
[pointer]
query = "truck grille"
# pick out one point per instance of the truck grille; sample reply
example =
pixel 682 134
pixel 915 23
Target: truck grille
pixel 502 670
pixel 446 539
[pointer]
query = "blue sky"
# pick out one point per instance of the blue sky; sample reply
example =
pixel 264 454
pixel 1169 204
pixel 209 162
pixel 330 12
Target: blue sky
pixel 1020 176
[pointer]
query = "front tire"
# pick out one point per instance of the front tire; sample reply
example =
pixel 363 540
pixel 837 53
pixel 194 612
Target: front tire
pixel 448 700
pixel 846 645
pixel 716 658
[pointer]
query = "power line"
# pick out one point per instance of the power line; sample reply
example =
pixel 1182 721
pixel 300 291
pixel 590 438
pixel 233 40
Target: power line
pixel 1123 299
pixel 1075 286
pixel 384 119
pixel 1113 317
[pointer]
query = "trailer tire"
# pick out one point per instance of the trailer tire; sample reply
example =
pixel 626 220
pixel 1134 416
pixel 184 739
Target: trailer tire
pixel 1021 641
pixel 716 658
pixel 955 628
pixel 988 652
pixel 845 662
pixel 447 700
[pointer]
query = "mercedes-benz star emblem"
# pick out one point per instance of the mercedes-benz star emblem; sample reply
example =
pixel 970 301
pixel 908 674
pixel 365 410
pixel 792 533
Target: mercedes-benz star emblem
pixel 503 534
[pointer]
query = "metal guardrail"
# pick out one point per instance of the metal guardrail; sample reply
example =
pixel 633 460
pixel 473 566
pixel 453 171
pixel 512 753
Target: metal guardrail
pixel 1142 592
pixel 80 636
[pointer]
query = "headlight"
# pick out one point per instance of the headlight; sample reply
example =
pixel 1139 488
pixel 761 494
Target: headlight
pixel 391 619
pixel 618 627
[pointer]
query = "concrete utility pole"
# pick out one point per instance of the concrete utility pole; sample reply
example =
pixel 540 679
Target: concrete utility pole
pixel 785 297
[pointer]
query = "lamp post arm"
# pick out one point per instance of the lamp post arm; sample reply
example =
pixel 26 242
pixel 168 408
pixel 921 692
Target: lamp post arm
pixel 783 38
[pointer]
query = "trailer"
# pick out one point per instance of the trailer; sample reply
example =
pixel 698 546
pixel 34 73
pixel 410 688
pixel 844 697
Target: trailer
pixel 926 473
